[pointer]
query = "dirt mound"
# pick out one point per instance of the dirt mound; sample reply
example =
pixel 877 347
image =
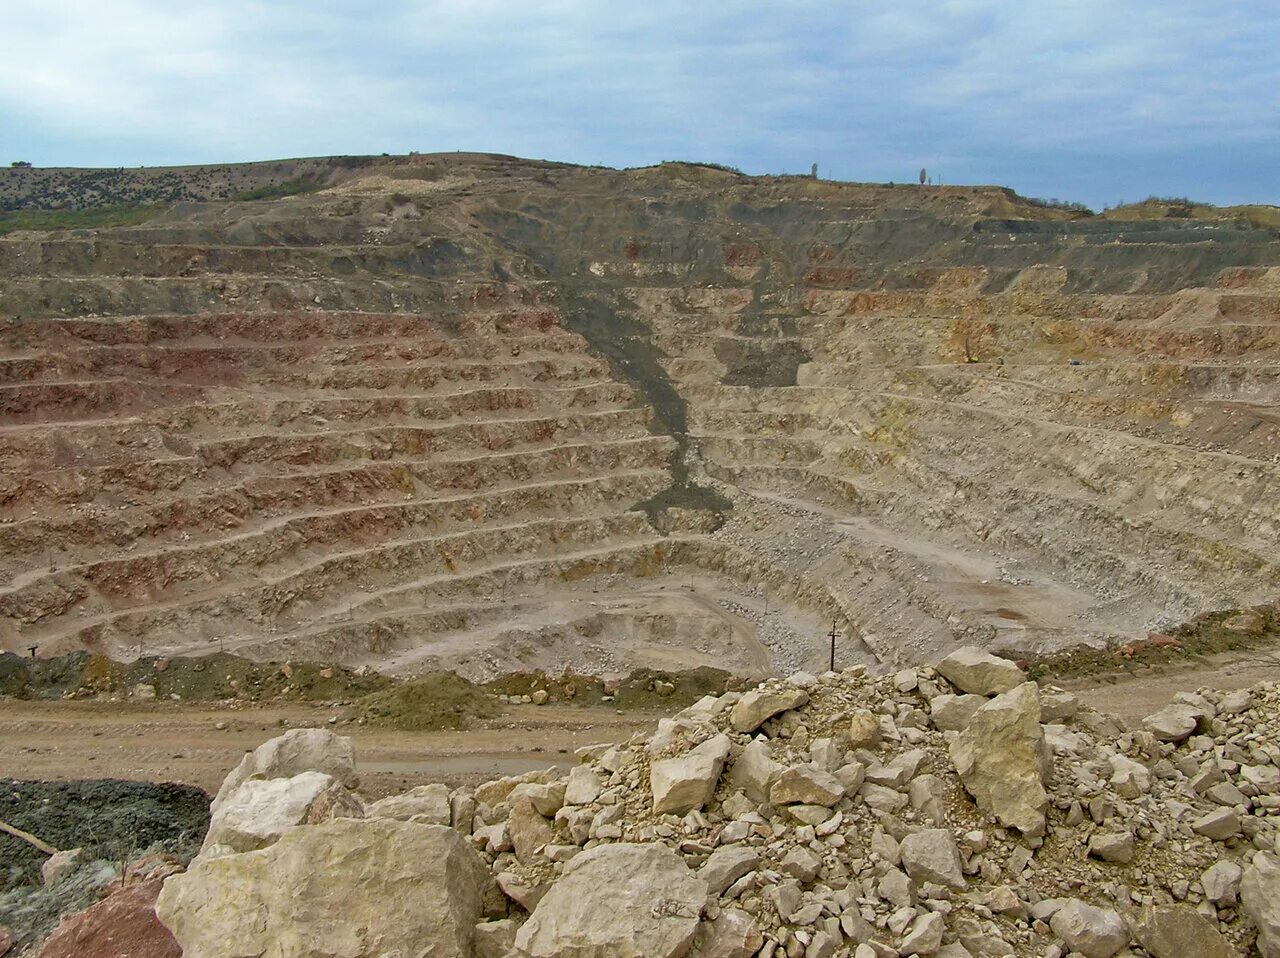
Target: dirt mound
pixel 213 677
pixel 642 689
pixel 438 700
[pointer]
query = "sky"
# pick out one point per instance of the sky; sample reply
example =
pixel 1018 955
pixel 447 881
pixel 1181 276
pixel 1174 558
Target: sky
pixel 1097 101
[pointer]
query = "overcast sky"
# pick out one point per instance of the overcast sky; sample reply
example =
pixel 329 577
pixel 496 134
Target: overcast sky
pixel 1093 100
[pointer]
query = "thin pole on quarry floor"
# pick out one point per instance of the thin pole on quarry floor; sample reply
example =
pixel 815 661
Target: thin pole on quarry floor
pixel 834 636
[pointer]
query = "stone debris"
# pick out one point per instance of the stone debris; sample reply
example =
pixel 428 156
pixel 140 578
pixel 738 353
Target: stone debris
pixel 826 816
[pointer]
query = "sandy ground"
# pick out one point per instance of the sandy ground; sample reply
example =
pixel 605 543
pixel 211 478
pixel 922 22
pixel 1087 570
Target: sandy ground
pixel 179 742
pixel 171 742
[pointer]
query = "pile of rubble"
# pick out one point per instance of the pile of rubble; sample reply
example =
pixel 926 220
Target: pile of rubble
pixel 950 811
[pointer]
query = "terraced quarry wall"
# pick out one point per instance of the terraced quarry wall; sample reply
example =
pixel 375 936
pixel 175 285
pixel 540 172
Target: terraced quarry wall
pixel 486 414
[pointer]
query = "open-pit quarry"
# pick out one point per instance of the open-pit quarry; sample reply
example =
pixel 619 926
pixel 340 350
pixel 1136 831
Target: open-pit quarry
pixel 485 414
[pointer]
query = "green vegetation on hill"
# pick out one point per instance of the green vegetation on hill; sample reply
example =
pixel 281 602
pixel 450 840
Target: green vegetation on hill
pixel 124 214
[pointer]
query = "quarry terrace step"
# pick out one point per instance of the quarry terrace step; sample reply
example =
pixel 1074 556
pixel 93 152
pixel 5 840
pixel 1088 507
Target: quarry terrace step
pixel 133 482
pixel 305 530
pixel 266 599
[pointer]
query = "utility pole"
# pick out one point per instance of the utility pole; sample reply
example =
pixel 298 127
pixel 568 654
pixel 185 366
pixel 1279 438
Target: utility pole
pixel 32 650
pixel 834 635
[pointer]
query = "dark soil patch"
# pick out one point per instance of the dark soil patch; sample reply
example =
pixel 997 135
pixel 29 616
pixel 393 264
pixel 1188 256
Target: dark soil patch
pixel 113 819
pixel 207 678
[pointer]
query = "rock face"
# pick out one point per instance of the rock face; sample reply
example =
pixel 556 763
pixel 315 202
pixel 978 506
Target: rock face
pixel 1001 759
pixel 688 781
pixel 1093 932
pixel 1179 931
pixel 347 887
pixel 259 811
pixel 617 901
pixel 759 705
pixel 980 673
pixel 122 925
pixel 296 751
pixel 1260 895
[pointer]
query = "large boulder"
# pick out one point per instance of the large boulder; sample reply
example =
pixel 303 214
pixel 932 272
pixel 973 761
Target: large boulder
pixel 617 901
pixel 122 925
pixel 261 810
pixel 759 705
pixel 1260 895
pixel 688 781
pixel 1178 931
pixel 1002 760
pixel 349 888
pixel 296 751
pixel 980 673
pixel 1093 932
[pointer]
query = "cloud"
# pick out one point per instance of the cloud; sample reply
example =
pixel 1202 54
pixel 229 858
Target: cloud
pixel 1064 97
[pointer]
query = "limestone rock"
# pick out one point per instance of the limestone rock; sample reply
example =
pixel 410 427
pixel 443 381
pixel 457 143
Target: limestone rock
pixel 925 936
pixel 528 830
pixel 688 781
pixel 261 810
pixel 754 771
pixel 1094 932
pixel 1178 931
pixel 584 786
pixel 1260 896
pixel 971 670
pixel 427 804
pixel 355 888
pixel 932 856
pixel 1221 882
pixel 617 901
pixel 1219 825
pixel 1001 758
pixel 296 751
pixel 864 729
pixel 951 713
pixel 1173 723
pixel 726 865
pixel 759 705
pixel 733 934
pixel 1129 778
pixel 122 925
pixel 1112 846
pixel 806 785
pixel 61 864
pixel 494 939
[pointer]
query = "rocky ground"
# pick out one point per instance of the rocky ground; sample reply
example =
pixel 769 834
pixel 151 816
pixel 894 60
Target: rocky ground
pixel 951 811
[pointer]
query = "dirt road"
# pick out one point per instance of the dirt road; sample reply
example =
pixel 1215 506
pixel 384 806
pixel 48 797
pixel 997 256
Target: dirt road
pixel 181 742
pixel 173 742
